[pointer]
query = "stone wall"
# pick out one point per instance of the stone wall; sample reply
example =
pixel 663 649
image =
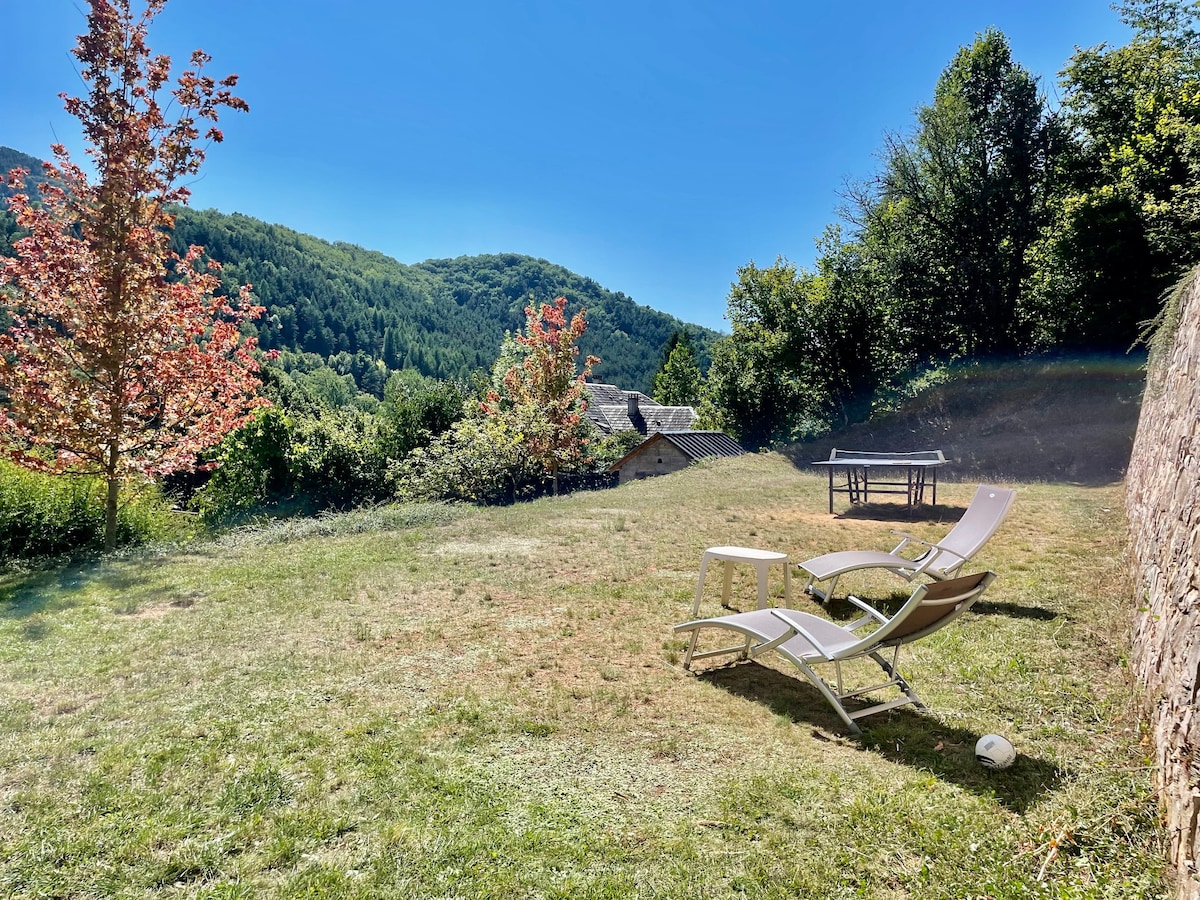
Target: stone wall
pixel 1163 503
pixel 658 458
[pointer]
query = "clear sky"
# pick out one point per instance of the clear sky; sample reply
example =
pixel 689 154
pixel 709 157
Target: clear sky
pixel 652 145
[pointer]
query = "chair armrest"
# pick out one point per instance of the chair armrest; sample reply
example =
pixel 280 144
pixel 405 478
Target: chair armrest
pixel 905 540
pixel 871 612
pixel 793 630
pixel 931 552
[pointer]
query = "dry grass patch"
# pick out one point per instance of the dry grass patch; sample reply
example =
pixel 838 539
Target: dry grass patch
pixel 489 704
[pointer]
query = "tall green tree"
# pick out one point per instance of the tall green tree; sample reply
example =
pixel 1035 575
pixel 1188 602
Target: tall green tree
pixel 807 348
pixel 949 220
pixel 1127 204
pixel 757 387
pixel 678 380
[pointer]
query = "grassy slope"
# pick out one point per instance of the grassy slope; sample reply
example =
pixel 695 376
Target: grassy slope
pixel 1066 420
pixel 488 703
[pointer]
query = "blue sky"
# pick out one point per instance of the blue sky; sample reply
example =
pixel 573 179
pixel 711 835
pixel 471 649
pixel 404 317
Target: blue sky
pixel 654 146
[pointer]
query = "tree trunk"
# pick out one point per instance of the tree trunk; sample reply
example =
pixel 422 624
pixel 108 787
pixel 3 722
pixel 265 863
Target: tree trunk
pixel 110 503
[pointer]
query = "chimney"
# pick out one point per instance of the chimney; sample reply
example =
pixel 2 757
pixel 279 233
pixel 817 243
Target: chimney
pixel 635 414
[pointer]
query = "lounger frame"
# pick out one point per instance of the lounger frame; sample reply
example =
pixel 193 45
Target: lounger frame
pixel 913 556
pixel 807 640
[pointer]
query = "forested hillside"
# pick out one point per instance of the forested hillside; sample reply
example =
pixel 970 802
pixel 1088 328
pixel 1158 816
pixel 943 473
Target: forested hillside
pixel 444 318
pixel 354 308
pixel 12 159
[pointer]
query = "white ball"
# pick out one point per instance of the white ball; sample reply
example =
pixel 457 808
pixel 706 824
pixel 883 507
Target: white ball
pixel 995 752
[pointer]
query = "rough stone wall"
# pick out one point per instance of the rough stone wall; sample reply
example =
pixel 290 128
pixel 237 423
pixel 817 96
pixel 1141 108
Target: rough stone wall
pixel 1163 503
pixel 660 458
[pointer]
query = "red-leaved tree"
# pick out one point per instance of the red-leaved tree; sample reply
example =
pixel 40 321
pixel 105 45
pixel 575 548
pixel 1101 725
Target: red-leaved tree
pixel 119 359
pixel 545 390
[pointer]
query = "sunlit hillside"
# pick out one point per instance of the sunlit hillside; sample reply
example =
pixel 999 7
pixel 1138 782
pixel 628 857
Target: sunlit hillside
pixel 1069 420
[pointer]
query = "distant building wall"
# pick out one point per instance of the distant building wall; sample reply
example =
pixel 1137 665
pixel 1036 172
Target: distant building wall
pixel 1163 504
pixel 660 458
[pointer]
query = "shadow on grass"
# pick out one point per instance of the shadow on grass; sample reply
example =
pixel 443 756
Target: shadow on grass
pixel 907 735
pixel 900 512
pixel 839 609
pixel 57 586
pixel 27 593
pixel 1015 611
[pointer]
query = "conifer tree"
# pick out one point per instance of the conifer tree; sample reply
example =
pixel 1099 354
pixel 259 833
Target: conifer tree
pixel 678 381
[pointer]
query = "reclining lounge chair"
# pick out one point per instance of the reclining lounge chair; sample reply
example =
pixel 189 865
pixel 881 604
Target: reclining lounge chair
pixel 937 561
pixel 807 640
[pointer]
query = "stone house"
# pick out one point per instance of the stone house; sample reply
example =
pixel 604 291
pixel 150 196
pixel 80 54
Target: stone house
pixel 670 451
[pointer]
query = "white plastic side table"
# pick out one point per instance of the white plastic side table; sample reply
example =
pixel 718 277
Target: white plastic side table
pixel 762 560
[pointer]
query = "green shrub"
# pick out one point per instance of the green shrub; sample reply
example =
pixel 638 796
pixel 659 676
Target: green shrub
pixel 252 468
pixel 304 456
pixel 610 448
pixel 45 515
pixel 336 460
pixel 481 460
pixel 902 388
pixel 305 462
pixel 416 410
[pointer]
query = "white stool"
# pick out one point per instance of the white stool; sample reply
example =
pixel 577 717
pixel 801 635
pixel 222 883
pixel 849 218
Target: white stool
pixel 762 560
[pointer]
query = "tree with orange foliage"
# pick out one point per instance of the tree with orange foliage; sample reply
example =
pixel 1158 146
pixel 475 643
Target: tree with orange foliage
pixel 545 392
pixel 119 359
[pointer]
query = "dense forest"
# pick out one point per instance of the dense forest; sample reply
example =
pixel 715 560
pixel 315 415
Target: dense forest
pixel 364 314
pixel 443 318
pixel 12 159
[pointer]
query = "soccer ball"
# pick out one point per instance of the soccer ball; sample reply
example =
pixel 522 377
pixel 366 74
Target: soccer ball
pixel 995 752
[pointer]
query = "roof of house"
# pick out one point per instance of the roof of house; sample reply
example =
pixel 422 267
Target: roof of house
pixel 610 394
pixel 693 444
pixel 669 418
pixel 609 410
pixel 611 418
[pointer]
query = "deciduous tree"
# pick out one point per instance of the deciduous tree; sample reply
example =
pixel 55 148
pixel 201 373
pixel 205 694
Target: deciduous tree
pixel 1127 208
pixel 758 387
pixel 544 390
pixel 959 203
pixel 121 360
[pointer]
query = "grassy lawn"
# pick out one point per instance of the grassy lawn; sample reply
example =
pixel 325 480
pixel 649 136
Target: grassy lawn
pixel 489 703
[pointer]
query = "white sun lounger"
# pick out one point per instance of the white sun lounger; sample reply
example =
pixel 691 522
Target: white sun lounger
pixel 808 640
pixel 937 561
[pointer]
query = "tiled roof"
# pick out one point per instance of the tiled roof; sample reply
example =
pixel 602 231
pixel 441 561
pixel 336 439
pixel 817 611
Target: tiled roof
pixel 669 418
pixel 610 394
pixel 611 418
pixel 609 410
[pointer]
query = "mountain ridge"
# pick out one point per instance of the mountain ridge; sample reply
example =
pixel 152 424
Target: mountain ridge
pixel 355 308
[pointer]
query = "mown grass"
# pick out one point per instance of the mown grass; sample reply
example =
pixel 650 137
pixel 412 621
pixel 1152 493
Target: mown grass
pixel 488 703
